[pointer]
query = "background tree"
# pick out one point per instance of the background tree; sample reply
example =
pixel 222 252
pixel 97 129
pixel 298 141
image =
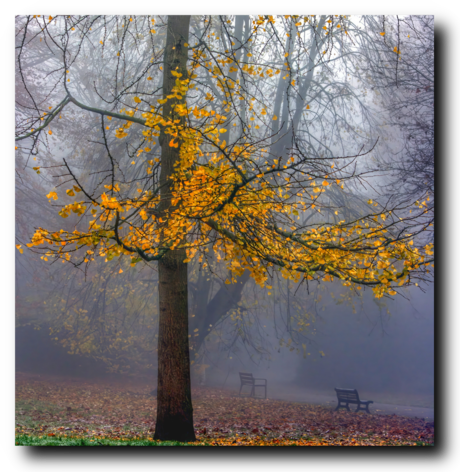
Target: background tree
pixel 400 64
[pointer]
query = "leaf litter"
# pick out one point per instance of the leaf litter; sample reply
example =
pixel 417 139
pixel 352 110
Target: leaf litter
pixel 101 409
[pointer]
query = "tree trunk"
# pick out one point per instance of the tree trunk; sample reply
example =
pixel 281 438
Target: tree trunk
pixel 210 313
pixel 174 402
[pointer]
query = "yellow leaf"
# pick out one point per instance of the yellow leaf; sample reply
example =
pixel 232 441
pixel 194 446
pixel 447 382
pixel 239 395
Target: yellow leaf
pixel 223 130
pixel 137 100
pixel 275 118
pixel 77 189
pixel 308 107
pixel 286 55
pixel 50 132
pixel 382 34
pixel 120 271
pixel 70 193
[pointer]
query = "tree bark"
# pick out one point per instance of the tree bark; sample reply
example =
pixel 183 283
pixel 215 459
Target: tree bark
pixel 174 402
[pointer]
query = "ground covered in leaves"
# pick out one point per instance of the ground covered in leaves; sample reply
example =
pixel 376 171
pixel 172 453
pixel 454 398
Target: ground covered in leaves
pixel 65 411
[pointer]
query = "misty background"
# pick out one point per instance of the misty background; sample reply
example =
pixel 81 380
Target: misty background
pixel 103 322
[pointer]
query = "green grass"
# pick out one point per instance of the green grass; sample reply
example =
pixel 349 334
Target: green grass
pixel 27 411
pixel 25 440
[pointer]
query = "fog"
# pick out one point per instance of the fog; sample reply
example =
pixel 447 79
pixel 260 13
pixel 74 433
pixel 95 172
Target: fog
pixel 383 347
pixel 374 349
pixel 98 317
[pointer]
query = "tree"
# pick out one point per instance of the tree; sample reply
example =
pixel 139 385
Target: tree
pixel 224 176
pixel 400 66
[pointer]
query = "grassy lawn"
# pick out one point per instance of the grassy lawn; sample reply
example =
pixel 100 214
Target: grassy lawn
pixel 69 412
pixel 35 440
pixel 26 440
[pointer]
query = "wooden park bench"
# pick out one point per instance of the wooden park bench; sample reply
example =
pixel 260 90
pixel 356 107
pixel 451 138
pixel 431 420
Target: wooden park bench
pixel 248 379
pixel 348 395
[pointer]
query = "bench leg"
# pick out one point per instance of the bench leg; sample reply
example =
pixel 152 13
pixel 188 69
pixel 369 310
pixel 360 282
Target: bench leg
pixel 360 408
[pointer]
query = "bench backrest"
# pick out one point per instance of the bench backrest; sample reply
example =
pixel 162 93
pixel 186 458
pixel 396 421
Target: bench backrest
pixel 347 395
pixel 246 378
